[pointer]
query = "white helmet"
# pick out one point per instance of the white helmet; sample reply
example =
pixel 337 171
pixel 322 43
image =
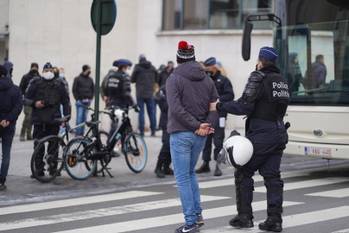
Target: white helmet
pixel 237 151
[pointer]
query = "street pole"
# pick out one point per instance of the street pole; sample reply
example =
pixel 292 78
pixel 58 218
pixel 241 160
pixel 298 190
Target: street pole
pixel 98 60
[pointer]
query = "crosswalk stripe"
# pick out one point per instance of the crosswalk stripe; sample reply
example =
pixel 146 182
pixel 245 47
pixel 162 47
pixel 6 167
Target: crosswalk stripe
pixel 342 231
pixel 75 202
pixel 153 222
pixel 96 213
pixel 337 193
pixel 295 220
pixel 230 181
pixel 307 184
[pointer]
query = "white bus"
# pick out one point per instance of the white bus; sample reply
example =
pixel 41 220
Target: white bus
pixel 312 37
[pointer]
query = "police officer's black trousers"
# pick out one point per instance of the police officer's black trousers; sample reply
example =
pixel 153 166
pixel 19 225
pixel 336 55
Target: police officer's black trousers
pixel 266 159
pixel 217 138
pixel 165 153
pixel 41 131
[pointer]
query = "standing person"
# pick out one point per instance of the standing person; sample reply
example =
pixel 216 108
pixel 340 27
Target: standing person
pixel 226 93
pixel 164 160
pixel 145 77
pixel 318 71
pixel 10 108
pixel 45 95
pixel 165 73
pixel 264 101
pixel 190 95
pixel 83 91
pixel 116 86
pixel 27 122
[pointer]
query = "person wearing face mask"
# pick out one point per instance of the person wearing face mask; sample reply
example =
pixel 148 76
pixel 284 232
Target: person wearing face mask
pixel 226 93
pixel 27 126
pixel 45 95
pixel 83 91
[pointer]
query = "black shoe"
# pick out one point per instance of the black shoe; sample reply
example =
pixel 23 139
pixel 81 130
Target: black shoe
pixel 200 220
pixel 187 229
pixel 271 224
pixel 153 134
pixel 241 222
pixel 205 168
pixel 218 171
pixel 168 171
pixel 158 169
pixel 3 187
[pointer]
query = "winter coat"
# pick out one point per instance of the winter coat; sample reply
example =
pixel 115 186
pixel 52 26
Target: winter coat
pixel 145 77
pixel 189 94
pixel 11 101
pixel 83 88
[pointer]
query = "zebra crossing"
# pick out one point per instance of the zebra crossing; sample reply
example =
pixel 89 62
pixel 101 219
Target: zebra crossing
pixel 312 204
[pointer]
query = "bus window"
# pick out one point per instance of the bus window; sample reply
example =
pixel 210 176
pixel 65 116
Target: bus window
pixel 318 63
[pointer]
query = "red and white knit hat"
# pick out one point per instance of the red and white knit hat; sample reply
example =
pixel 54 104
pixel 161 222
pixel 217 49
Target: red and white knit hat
pixel 185 52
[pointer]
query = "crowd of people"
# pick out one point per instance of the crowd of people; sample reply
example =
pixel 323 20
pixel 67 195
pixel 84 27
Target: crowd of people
pixel 194 99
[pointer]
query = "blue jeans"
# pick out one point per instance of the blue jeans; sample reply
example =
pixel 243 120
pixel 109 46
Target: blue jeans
pixel 185 150
pixel 81 115
pixel 6 136
pixel 150 104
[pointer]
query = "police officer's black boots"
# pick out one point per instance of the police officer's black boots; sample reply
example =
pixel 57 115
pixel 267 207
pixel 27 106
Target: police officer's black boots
pixel 273 223
pixel 158 169
pixel 244 219
pixel 205 168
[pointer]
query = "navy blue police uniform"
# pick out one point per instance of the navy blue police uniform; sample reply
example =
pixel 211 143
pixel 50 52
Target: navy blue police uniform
pixel 226 94
pixel 264 102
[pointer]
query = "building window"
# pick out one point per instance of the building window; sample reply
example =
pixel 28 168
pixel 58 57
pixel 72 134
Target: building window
pixel 211 14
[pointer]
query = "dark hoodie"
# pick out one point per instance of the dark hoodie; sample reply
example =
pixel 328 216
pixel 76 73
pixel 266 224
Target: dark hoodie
pixel 145 77
pixel 11 100
pixel 189 94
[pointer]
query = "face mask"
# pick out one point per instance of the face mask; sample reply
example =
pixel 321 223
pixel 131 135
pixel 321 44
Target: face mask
pixel 61 75
pixel 209 73
pixel 48 75
pixel 34 72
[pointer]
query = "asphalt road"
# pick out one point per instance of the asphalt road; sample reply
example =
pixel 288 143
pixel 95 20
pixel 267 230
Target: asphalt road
pixel 316 199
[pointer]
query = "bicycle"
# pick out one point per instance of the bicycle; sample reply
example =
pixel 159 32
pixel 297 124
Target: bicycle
pixel 83 153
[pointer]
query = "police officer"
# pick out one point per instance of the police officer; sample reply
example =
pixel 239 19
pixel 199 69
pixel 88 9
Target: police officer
pixel 226 93
pixel 264 101
pixel 45 95
pixel 116 86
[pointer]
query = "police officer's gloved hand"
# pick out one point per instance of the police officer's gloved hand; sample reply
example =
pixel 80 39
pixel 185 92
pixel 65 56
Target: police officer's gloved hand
pixel 219 107
pixel 136 108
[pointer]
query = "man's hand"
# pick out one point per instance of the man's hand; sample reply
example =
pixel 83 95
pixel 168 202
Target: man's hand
pixel 4 123
pixel 39 104
pixel 204 130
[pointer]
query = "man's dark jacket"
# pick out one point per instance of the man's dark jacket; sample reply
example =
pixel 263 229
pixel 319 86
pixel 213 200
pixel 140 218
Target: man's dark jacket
pixel 11 101
pixel 83 87
pixel 189 94
pixel 145 77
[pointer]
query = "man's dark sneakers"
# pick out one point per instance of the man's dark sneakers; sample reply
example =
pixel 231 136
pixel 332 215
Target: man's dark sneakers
pixel 200 220
pixel 241 222
pixel 271 224
pixel 188 229
pixel 205 168
pixel 2 187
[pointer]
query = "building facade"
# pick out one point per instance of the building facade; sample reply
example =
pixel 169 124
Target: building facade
pixel 60 32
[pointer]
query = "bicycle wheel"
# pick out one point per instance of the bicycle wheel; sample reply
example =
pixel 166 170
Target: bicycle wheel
pixel 136 152
pixel 47 159
pixel 78 158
